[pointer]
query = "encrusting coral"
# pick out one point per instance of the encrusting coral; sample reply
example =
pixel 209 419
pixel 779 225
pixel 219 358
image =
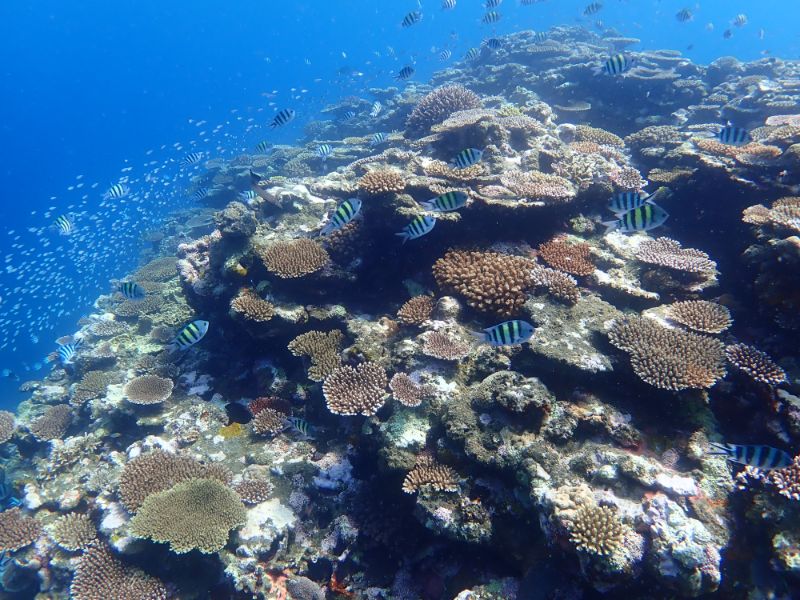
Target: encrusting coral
pixel 323 348
pixel 293 258
pixel 356 391
pixel 17 530
pixel 148 389
pixel 197 514
pixel 758 365
pixel 102 576
pixel 701 315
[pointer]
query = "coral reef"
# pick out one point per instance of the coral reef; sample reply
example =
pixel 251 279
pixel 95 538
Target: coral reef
pixel 700 315
pixel 436 106
pixel 416 311
pixel 53 424
pixel 356 391
pixel 17 530
pixel 148 389
pixel 428 475
pixel 295 258
pixel 73 532
pixel 755 363
pixel 100 575
pixel 596 529
pixel 251 307
pixel 324 350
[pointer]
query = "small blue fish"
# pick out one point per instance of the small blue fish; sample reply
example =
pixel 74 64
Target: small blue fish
pixel 622 202
pixel 344 214
pixel 411 18
pixel 189 335
pixel 508 333
pixel 116 191
pixel 644 218
pixel 765 458
pixel 131 290
pixel 733 136
pixel 467 158
pixel 283 117
pixel 446 202
pixel 64 225
pixel 421 225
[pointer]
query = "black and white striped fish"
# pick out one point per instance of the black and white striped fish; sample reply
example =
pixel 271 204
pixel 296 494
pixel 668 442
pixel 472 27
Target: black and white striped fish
pixel 248 196
pixel 733 136
pixel 376 109
pixel 644 218
pixel 131 290
pixel 446 202
pixel 622 202
pixel 765 458
pixel 592 9
pixel 116 191
pixel 448 4
pixel 324 151
pixel 64 224
pixel 348 116
pixel 283 117
pixel 421 225
pixel 493 43
pixel 508 333
pixel 300 426
pixel 191 159
pixel 618 64
pixel 445 54
pixel 344 214
pixel 188 336
pixel 411 18
pixel 492 3
pixel 378 138
pixel 64 353
pixel 491 17
pixel 200 193
pixel 740 20
pixel 262 146
pixel 405 73
pixel 540 36
pixel 467 158
pixel 472 53
pixel 684 15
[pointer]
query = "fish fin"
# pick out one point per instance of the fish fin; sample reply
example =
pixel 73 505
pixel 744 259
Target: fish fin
pixel 427 205
pixel 610 226
pixel 403 235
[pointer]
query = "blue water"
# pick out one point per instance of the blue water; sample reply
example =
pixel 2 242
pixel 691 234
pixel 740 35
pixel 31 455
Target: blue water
pixel 91 88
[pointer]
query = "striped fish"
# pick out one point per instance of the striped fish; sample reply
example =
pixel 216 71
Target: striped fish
pixel 540 36
pixel 684 15
pixel 493 43
pixel 191 159
pixel 508 333
pixel 472 53
pixel 733 136
pixel 623 202
pixel 263 146
pixel 618 64
pixel 283 117
pixel 492 3
pixel 64 225
pixel 421 225
pixel 405 73
pixel 324 151
pixel 348 116
pixel 300 426
pixel 592 9
pixel 411 18
pixel 116 191
pixel 131 290
pixel 344 213
pixel 445 54
pixel 64 353
pixel 200 193
pixel 765 458
pixel 189 335
pixel 740 20
pixel 446 202
pixel 448 4
pixel 376 109
pixel 378 138
pixel 467 158
pixel 248 196
pixel 644 218
pixel 491 17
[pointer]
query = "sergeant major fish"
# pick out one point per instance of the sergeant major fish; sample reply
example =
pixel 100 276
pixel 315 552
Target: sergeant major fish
pixel 188 336
pixel 411 18
pixel 508 333
pixel 592 9
pixel 618 64
pixel 623 202
pixel 116 191
pixel 421 225
pixel 446 202
pixel 765 458
pixel 324 151
pixel 192 159
pixel 65 353
pixel 643 218
pixel 283 117
pixel 405 73
pixel 64 225
pixel 733 136
pixel 467 158
pixel 344 214
pixel 131 290
pixel 378 138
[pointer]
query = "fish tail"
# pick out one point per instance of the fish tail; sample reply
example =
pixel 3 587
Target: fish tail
pixel 404 236
pixel 427 205
pixel 718 449
pixel 478 335
pixel 610 226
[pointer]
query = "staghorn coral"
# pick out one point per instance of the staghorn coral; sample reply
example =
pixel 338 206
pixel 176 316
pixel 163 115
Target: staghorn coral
pixel 294 258
pixel 7 425
pixel 439 344
pixel 565 255
pixel 701 315
pixel 758 365
pixel 158 470
pixel 491 282
pixel 596 530
pixel 17 530
pixel 356 391
pixel 73 532
pixel 670 359
pixel 53 424
pixel 268 421
pixel 197 514
pixel 92 385
pixel 429 475
pixel 436 106
pixel 538 186
pixel 101 576
pixel 253 491
pixel 249 306
pixel 584 133
pixel 381 181
pixel 323 348
pixel 148 389
pixel 416 311
pixel 558 284
pixel 406 391
pixel 666 252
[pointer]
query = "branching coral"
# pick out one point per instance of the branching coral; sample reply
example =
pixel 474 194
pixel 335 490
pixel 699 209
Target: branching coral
pixel 627 178
pixel 161 269
pixel 253 491
pixel 491 282
pixel 73 531
pixel 666 252
pixel 17 530
pixel 7 425
pixel 755 363
pixel 158 470
pixel 669 358
pixel 381 181
pixel 148 389
pixel 197 514
pixel 701 315
pixel 102 576
pixel 324 349
pixel 406 391
pixel 584 133
pixel 786 481
pixel 274 402
pixel 249 306
pixel 268 421
pixel 294 258
pixel 596 530
pixel 437 106
pixel 783 214
pixel 92 385
pixel 565 255
pixel 416 311
pixel 558 284
pixel 428 474
pixel 53 424
pixel 538 186
pixel 356 391
pixel 439 344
